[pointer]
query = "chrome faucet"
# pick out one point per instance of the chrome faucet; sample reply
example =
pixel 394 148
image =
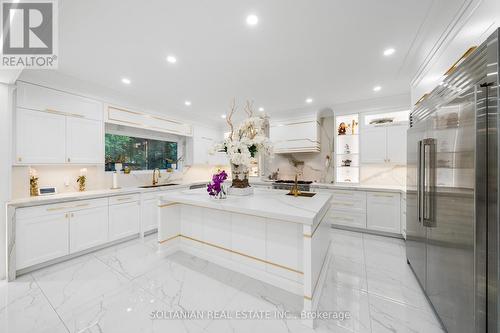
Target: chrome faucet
pixel 155 178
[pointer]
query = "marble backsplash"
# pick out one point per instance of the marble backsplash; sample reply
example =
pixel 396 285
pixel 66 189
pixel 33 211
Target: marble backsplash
pixel 64 178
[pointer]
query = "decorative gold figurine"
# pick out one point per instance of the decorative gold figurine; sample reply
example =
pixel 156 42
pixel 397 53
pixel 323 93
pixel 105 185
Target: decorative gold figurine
pixel 33 186
pixel 81 183
pixel 82 180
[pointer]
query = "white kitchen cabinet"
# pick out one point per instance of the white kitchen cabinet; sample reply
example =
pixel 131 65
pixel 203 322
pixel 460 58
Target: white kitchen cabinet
pixel 138 119
pixel 383 212
pixel 149 214
pixel 201 143
pixel 374 145
pixel 384 144
pixel 84 141
pixel 40 137
pixel 293 136
pixel 396 144
pixel 41 238
pixel 35 97
pixel 124 219
pixel 88 228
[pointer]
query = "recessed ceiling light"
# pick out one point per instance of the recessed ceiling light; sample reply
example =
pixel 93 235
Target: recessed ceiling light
pixel 223 116
pixel 187 103
pixel 389 51
pixel 126 80
pixel 377 88
pixel 252 19
pixel 261 109
pixel 171 59
pixel 309 100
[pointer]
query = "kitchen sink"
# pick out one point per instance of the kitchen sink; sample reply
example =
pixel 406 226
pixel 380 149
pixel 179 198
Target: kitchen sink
pixel 304 194
pixel 159 185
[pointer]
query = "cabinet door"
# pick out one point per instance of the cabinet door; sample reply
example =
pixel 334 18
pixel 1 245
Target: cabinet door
pixel 383 212
pixel 123 220
pixel 396 144
pixel 373 145
pixel 84 141
pixel 149 214
pixel 39 239
pixel 40 137
pixel 88 228
pixel 35 97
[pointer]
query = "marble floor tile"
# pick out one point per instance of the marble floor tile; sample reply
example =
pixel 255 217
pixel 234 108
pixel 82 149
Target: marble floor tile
pixel 118 288
pixel 347 244
pixel 347 272
pixel 24 308
pixel 128 309
pixel 401 287
pixel 341 298
pixel 133 260
pixel 74 282
pixel 388 316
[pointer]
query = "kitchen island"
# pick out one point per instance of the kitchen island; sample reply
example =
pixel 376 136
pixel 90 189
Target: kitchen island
pixel 270 236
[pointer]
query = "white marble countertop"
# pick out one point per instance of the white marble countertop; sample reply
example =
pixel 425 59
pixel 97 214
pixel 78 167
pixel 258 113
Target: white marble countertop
pixel 273 204
pixel 352 187
pixel 72 196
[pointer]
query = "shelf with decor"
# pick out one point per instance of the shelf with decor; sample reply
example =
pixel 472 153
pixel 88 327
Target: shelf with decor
pixel 347 148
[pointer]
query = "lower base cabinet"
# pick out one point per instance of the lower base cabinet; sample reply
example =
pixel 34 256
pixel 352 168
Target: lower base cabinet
pixel 149 212
pixel 124 220
pixel 88 228
pixel 376 211
pixel 41 238
pixel 383 212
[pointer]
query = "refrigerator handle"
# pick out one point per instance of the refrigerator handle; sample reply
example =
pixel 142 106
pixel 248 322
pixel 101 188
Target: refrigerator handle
pixel 419 181
pixel 428 180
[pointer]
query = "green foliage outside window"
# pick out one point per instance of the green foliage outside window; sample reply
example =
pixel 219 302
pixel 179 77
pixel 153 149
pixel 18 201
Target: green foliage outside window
pixel 139 153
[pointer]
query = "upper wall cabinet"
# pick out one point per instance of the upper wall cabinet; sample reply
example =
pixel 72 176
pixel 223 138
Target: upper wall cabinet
pixel 137 119
pixel 201 143
pixel 302 135
pixel 383 138
pixel 34 97
pixel 53 127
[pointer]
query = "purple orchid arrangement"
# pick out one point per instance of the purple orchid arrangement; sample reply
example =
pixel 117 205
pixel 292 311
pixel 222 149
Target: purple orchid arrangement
pixel 215 188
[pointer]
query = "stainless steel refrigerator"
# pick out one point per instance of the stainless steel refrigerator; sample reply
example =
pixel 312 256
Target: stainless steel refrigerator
pixel 452 193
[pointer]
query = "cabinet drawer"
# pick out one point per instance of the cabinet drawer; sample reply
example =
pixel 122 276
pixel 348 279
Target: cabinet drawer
pixel 349 200
pixel 60 207
pixel 349 219
pixel 124 199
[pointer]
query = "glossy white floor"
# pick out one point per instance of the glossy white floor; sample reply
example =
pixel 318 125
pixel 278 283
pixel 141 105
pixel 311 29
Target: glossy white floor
pixel 116 290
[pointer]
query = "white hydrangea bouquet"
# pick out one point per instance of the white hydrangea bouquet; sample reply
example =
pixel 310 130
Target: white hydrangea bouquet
pixel 244 143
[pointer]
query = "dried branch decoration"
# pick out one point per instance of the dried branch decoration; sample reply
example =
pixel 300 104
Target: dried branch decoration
pixel 249 108
pixel 229 116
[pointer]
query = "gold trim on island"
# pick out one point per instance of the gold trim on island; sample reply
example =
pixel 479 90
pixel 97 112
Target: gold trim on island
pixel 232 251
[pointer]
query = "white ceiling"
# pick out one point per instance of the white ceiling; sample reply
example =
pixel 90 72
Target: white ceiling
pixel 329 50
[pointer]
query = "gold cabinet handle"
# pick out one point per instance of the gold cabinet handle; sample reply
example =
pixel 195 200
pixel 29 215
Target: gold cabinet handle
pixel 350 219
pixel 384 195
pixel 19 159
pixel 123 199
pixel 66 215
pixel 342 203
pixel 82 205
pixel 53 209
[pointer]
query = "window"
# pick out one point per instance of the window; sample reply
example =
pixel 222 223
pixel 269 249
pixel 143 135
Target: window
pixel 139 153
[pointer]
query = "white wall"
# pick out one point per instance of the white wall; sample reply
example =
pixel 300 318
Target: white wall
pixel 5 165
